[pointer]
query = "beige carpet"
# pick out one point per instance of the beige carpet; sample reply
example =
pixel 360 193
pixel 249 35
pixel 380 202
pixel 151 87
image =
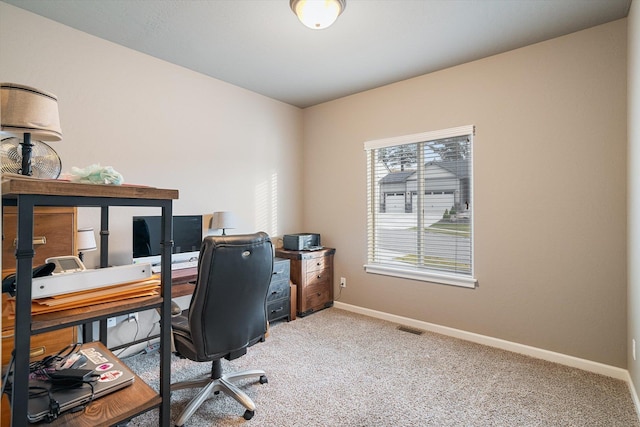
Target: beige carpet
pixel 337 368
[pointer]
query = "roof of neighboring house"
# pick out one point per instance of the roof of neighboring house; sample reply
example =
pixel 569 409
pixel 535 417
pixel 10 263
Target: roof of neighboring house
pixel 460 168
pixel 396 177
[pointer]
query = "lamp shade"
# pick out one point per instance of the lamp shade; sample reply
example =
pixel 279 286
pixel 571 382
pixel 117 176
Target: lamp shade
pixel 317 14
pixel 86 240
pixel 222 221
pixel 24 109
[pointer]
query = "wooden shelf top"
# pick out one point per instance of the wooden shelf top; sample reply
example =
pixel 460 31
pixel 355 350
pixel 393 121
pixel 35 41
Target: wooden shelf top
pixel 49 321
pixel 13 186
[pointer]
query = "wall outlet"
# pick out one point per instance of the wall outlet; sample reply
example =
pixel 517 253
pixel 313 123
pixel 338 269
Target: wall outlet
pixel 133 317
pixel 343 282
pixel 111 322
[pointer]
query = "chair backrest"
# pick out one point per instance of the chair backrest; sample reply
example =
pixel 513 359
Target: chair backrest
pixel 228 311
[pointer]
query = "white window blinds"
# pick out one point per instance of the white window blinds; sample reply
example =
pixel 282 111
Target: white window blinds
pixel 420 204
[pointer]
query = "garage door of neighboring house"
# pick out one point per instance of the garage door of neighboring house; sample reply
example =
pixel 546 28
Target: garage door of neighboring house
pixel 436 203
pixel 394 203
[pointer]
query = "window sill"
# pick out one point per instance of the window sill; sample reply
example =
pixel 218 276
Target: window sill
pixel 423 276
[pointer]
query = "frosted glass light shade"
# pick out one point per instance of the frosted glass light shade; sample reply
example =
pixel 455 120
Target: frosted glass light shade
pixel 317 14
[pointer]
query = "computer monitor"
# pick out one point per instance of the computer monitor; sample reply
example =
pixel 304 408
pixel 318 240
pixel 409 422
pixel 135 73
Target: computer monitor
pixel 187 238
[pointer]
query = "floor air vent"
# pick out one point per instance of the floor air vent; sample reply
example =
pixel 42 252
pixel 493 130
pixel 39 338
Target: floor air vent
pixel 410 330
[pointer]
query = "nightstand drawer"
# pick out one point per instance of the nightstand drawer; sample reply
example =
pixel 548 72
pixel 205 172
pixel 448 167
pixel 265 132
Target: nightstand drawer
pixel 278 309
pixel 319 295
pixel 281 269
pixel 318 276
pixel 316 264
pixel 54 230
pixel 41 345
pixel 278 289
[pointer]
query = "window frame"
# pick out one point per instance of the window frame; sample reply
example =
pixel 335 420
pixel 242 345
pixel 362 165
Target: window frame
pixel 373 203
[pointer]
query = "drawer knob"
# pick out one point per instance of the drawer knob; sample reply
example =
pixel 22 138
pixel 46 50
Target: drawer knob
pixel 319 276
pixel 318 263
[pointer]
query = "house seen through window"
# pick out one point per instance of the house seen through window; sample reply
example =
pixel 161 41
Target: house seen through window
pixel 420 206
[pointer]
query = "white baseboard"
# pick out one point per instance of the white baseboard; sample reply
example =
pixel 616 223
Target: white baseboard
pixel 563 359
pixel 575 362
pixel 634 395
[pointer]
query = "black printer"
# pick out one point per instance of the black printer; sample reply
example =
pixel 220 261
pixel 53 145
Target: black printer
pixel 301 242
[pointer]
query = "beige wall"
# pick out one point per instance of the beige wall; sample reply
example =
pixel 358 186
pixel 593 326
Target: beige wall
pixel 550 171
pixel 633 124
pixel 222 147
pixel 550 192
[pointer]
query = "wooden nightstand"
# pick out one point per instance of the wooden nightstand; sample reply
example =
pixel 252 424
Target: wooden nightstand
pixel 312 273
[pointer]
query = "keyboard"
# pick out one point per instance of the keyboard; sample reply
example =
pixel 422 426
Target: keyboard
pixel 176 266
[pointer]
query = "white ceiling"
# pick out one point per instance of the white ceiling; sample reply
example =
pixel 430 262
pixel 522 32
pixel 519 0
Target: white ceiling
pixel 261 46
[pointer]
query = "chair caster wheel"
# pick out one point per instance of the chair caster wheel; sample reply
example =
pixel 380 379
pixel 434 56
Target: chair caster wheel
pixel 248 414
pixel 263 379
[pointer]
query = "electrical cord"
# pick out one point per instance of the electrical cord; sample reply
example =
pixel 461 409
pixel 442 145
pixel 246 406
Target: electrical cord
pixel 40 370
pixel 148 348
pixel 149 334
pixel 54 405
pixel 145 350
pixel 40 366
pixel 5 380
pixel 135 336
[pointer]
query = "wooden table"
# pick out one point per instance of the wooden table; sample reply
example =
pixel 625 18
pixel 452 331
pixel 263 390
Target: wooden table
pixel 183 281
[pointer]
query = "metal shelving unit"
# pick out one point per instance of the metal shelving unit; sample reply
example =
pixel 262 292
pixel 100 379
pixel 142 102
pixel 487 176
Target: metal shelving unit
pixel 26 193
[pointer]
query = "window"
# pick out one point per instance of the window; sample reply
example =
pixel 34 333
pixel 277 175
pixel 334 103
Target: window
pixel 420 200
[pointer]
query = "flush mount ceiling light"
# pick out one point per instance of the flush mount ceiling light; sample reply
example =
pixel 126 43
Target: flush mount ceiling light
pixel 317 14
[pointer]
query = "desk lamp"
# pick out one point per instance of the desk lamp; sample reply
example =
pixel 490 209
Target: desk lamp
pixel 86 241
pixel 223 220
pixel 29 112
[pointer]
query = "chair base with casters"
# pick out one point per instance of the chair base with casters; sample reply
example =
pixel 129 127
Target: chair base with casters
pixel 216 383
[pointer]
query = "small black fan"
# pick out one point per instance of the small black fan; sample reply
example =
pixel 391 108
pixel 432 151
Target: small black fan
pixel 45 162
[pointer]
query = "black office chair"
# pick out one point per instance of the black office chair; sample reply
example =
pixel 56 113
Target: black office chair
pixel 226 315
